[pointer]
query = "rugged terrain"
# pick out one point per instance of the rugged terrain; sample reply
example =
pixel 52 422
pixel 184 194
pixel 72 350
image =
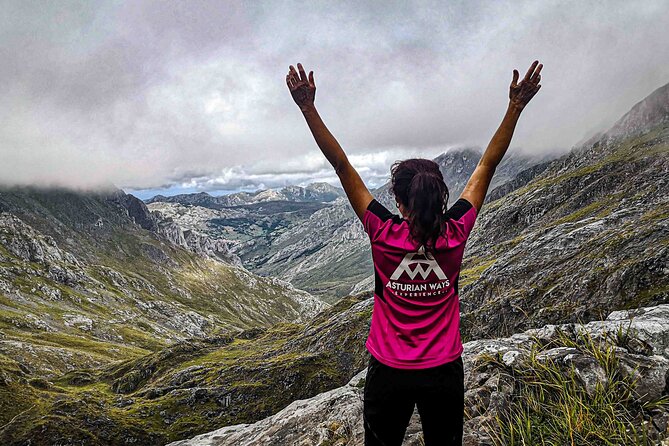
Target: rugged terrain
pixel 316 243
pixel 565 241
pixel 623 361
pixel 188 388
pixel 87 278
pixel 313 193
pixel 575 239
pixel 570 240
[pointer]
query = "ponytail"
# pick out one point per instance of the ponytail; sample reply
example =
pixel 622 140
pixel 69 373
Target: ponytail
pixel 419 185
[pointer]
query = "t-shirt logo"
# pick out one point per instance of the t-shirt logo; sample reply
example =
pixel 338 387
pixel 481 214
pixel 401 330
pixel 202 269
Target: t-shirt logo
pixel 410 260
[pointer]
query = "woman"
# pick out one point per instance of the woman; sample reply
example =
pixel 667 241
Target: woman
pixel 414 338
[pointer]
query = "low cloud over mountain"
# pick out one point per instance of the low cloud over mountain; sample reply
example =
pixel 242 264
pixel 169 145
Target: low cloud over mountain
pixel 148 95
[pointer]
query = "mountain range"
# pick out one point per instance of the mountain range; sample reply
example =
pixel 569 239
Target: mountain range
pixel 314 192
pixel 122 323
pixel 313 240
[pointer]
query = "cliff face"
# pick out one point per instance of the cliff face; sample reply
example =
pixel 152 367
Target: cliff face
pixel 591 360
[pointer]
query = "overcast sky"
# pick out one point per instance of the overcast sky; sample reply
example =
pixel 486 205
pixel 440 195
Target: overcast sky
pixel 191 95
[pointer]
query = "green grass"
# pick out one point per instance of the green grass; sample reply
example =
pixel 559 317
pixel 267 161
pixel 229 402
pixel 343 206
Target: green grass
pixel 550 405
pixel 472 273
pixel 597 208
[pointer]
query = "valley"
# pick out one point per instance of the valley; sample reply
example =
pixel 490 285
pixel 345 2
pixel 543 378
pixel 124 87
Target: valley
pixel 127 323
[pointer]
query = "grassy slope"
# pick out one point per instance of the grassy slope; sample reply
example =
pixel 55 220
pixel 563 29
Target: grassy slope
pixel 551 405
pixel 189 388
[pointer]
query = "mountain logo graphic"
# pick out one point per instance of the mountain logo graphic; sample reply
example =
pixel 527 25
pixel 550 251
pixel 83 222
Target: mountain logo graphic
pixel 418 264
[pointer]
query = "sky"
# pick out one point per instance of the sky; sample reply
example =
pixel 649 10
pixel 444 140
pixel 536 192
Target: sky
pixel 167 97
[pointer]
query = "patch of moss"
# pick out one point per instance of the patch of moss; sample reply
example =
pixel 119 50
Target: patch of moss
pixel 472 273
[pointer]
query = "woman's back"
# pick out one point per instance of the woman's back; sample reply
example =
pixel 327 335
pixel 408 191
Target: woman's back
pixel 416 317
pixel 415 321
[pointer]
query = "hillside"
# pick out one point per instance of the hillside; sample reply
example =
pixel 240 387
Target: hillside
pixel 188 388
pixel 87 278
pixel 586 235
pixel 611 373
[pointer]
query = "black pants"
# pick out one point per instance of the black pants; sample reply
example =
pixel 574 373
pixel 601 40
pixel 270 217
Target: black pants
pixel 390 395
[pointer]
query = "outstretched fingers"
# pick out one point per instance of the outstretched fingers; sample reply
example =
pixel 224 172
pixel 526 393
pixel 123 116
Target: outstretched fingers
pixel 293 74
pixel 521 93
pixel 536 77
pixel 293 77
pixel 530 71
pixel 303 75
pixel 300 76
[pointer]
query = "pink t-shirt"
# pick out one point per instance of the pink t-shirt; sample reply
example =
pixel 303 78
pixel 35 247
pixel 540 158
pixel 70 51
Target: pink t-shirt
pixel 416 315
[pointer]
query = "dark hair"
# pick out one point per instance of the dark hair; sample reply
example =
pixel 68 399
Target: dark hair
pixel 419 186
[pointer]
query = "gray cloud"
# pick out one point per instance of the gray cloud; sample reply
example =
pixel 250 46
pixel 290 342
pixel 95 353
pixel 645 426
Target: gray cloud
pixel 150 94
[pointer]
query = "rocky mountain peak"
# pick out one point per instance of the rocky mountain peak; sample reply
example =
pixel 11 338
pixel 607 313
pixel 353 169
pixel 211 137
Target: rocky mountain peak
pixel 458 154
pixel 648 113
pixel 137 211
pixel 322 186
pixel 195 198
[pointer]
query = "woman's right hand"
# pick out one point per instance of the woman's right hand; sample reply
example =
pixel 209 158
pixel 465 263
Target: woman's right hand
pixel 521 93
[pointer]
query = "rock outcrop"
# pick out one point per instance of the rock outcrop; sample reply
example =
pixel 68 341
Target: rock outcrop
pixel 195 241
pixel 642 354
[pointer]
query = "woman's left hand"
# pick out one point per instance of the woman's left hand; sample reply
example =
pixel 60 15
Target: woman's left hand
pixel 302 88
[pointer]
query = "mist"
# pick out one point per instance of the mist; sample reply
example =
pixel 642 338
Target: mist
pixel 156 95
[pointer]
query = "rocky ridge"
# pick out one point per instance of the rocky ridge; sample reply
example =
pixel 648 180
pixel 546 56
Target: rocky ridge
pixel 572 240
pixel 189 239
pixel 314 192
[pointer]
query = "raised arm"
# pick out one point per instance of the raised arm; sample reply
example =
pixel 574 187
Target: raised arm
pixel 303 90
pixel 519 95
